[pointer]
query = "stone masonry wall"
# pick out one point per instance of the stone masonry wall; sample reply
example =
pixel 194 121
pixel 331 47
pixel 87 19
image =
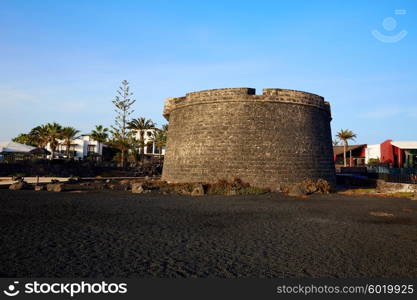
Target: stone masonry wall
pixel 279 137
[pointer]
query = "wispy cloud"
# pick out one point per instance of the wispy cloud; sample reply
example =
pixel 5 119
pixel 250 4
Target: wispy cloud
pixel 390 112
pixel 14 97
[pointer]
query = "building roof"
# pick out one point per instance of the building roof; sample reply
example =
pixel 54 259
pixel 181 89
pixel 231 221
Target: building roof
pixel 405 144
pixel 337 150
pixel 14 147
pixel 40 151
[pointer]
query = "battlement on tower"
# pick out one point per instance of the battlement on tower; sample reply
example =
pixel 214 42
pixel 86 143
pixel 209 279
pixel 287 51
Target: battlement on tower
pixel 245 95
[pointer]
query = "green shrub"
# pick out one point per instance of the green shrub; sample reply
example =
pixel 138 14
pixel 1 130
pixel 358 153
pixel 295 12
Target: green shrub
pixel 373 161
pixel 236 187
pixel 222 187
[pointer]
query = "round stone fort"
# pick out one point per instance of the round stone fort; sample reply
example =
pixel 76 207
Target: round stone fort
pixel 277 138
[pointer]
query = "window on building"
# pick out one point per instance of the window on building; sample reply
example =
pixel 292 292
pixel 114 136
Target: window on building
pixel 149 149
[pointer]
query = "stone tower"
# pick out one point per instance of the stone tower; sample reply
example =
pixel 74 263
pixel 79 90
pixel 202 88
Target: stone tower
pixel 279 137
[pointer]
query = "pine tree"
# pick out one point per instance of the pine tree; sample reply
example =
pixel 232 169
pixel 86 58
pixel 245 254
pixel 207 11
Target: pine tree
pixel 123 108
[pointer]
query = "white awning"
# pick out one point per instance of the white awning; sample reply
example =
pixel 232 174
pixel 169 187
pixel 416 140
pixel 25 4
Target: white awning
pixel 405 144
pixel 14 147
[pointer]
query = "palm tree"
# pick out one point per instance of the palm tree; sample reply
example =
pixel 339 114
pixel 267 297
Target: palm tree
pixel 100 135
pixel 39 135
pixel 25 139
pixel 140 125
pixel 160 140
pixel 344 135
pixel 68 134
pixel 54 133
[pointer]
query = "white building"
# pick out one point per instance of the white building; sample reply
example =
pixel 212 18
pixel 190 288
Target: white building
pixel 80 148
pixel 85 146
pixel 12 151
pixel 372 152
pixel 150 147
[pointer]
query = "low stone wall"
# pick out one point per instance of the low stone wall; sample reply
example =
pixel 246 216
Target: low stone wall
pixel 391 187
pixel 63 168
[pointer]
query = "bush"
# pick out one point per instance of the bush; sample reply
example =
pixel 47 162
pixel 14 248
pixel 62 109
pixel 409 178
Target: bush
pixel 236 187
pixel 307 187
pixel 373 161
pixel 222 187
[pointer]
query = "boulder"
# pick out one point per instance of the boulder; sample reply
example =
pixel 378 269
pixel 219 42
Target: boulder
pixel 415 196
pixel 50 187
pixel 55 187
pixel 66 187
pixel 284 188
pixel 137 188
pixel 119 187
pixel 39 187
pixel 297 190
pixel 309 186
pixel 323 186
pixel 198 190
pixel 99 186
pixel 21 185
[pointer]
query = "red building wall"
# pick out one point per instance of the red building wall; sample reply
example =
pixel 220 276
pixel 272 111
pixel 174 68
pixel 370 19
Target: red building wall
pixel 398 157
pixel 387 152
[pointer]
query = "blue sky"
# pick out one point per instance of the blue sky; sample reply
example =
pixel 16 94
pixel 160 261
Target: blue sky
pixel 63 60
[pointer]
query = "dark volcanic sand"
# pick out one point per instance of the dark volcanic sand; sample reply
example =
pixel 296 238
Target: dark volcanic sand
pixel 116 234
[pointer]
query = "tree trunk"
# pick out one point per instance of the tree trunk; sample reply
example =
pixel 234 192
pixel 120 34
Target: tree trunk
pixel 160 155
pixel 123 159
pixel 344 152
pixel 68 149
pixel 350 158
pixel 100 151
pixel 142 155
